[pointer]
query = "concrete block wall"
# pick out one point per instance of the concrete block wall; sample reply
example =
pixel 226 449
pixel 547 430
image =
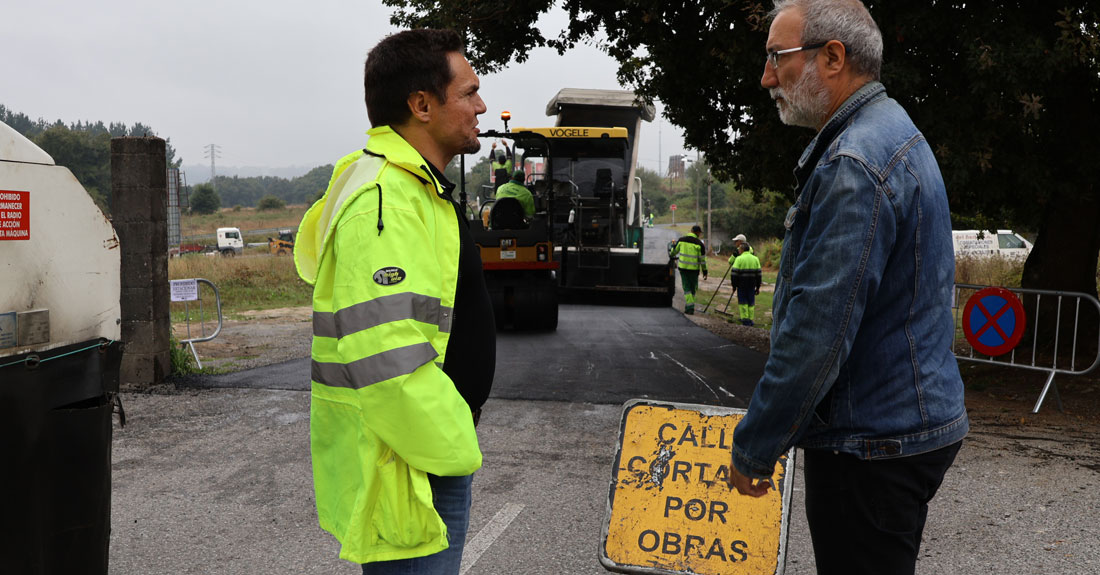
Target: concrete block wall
pixel 139 213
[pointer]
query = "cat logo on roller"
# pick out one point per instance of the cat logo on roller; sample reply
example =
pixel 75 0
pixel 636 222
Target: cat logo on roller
pixel 389 276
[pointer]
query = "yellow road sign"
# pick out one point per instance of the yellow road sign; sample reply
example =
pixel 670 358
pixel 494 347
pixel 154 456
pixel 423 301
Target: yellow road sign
pixel 669 508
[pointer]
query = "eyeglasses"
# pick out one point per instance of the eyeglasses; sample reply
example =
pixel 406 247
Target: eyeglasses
pixel 774 55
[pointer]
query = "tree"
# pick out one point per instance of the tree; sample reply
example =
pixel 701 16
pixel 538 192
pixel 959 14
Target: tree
pixel 1004 91
pixel 83 147
pixel 204 200
pixel 312 185
pixel 477 176
pixel 652 191
pixel 270 202
pixel 86 154
pixel 758 216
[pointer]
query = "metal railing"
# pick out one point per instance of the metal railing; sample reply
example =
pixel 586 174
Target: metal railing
pixel 1051 363
pixel 191 341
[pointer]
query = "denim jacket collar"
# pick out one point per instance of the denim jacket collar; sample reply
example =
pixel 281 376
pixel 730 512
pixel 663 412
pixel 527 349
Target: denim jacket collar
pixel 869 92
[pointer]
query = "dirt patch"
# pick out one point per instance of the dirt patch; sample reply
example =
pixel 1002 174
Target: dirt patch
pixel 262 337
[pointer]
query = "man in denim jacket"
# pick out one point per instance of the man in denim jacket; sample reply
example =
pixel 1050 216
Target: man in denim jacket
pixel 861 373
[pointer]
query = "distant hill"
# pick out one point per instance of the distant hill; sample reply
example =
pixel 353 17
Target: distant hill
pixel 246 191
pixel 199 173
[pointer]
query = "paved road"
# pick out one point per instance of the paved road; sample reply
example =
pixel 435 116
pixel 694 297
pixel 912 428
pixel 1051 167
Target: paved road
pixel 599 354
pixel 217 481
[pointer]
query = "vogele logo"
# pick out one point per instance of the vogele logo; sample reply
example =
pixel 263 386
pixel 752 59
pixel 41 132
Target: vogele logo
pixel 568 132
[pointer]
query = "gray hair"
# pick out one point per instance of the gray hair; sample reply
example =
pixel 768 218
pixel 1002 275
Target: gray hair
pixel 844 20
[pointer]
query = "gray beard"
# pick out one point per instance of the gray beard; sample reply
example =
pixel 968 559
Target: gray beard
pixel 807 100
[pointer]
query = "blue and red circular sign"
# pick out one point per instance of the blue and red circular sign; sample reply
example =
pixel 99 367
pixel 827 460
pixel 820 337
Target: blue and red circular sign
pixel 993 321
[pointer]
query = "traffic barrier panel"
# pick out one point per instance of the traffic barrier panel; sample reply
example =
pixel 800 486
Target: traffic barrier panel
pixel 994 322
pixel 187 291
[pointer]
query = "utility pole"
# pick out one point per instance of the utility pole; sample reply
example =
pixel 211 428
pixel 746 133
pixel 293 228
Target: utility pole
pixel 710 245
pixel 212 151
pixel 698 220
pixel 660 158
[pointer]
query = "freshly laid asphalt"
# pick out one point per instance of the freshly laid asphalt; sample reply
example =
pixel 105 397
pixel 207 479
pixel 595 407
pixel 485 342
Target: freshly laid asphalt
pixel 599 354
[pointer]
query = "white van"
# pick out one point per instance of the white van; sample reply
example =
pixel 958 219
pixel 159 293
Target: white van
pixel 230 242
pixel 984 243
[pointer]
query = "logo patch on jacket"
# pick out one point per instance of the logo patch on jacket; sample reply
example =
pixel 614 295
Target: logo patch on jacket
pixel 389 276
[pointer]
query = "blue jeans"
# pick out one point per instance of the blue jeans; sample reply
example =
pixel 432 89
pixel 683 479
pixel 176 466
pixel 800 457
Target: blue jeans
pixel 451 497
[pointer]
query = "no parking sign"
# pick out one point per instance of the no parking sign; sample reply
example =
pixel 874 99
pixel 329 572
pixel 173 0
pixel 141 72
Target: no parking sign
pixel 994 321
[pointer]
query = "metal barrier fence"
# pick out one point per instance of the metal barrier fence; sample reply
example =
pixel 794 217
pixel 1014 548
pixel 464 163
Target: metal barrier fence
pixel 1052 362
pixel 188 291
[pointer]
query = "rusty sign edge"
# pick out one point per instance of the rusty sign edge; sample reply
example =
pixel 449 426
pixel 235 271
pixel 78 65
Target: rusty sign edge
pixel 708 410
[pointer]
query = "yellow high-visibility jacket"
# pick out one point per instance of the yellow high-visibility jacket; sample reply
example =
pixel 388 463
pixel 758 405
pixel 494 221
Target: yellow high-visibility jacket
pixel 690 253
pixel 381 250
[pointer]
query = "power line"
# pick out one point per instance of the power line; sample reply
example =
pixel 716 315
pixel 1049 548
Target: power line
pixel 212 151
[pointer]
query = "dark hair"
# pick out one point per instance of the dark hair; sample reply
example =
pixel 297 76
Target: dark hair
pixel 696 230
pixel 402 64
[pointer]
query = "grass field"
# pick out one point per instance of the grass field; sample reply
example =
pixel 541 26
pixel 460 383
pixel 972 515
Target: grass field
pixel 253 281
pixel 718 266
pixel 243 218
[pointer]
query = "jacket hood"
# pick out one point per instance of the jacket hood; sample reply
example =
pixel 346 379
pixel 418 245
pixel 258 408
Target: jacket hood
pixel 354 174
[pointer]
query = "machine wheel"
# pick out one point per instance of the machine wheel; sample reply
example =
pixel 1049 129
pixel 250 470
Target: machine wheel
pixel 550 315
pixel 500 310
pixel 282 252
pixel 536 308
pixel 228 253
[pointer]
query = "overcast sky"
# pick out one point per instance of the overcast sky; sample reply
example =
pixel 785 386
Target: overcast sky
pixel 273 83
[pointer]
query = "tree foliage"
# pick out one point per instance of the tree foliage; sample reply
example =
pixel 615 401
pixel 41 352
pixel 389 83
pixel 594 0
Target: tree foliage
pixel 652 193
pixel 477 176
pixel 1004 91
pixel 270 202
pixel 204 200
pixel 249 191
pixel 758 216
pixel 86 154
pixel 82 147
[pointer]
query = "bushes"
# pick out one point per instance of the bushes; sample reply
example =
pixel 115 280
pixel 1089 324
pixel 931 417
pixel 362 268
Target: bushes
pixel 181 360
pixel 270 202
pixel 768 251
pixel 993 271
pixel 755 218
pixel 204 200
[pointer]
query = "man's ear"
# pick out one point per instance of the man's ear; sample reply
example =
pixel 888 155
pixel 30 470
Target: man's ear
pixel 420 105
pixel 835 56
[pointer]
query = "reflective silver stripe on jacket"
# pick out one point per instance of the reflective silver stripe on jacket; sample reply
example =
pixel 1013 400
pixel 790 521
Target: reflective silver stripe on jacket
pixel 382 310
pixel 373 369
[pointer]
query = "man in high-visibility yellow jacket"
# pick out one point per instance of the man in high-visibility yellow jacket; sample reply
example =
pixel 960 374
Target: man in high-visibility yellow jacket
pixel 746 280
pixel 516 189
pixel 403 332
pixel 692 259
pixel 500 166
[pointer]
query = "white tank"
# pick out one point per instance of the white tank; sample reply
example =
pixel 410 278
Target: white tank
pixel 59 256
